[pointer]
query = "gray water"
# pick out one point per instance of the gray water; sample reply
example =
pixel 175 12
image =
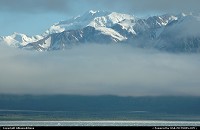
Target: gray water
pixel 99 123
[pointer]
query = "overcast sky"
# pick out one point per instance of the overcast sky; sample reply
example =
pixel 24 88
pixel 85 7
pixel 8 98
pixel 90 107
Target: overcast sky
pixel 35 16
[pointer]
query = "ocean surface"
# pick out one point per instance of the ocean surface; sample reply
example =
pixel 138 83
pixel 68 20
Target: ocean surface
pixel 99 123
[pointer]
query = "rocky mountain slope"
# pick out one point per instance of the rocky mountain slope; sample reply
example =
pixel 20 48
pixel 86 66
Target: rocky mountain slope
pixel 174 33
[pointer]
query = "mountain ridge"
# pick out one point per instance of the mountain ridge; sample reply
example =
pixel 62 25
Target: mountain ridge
pixel 164 32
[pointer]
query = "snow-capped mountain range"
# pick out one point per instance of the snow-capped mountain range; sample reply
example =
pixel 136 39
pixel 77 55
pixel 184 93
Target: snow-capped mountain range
pixel 166 32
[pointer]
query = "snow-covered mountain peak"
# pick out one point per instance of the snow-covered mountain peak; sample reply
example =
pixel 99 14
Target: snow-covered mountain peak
pixel 75 23
pixel 16 38
pixel 169 17
pixel 109 20
pixel 97 13
pixel 112 27
pixel 19 39
pixel 90 18
pixel 92 11
pixel 161 21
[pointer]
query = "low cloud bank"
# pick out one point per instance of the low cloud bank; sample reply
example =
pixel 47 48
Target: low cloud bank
pixel 99 70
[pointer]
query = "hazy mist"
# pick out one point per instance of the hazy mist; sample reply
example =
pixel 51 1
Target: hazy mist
pixel 99 70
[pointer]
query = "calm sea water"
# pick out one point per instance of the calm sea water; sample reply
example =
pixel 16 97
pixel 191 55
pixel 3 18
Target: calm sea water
pixel 99 123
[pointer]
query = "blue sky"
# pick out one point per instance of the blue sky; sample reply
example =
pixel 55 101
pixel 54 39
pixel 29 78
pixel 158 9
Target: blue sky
pixel 35 16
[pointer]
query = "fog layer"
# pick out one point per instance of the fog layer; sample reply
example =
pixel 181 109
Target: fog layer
pixel 99 70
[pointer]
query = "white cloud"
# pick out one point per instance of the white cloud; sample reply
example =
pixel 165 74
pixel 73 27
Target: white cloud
pixel 98 70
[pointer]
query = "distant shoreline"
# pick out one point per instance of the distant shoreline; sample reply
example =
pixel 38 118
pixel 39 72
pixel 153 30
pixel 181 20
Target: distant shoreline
pixel 100 123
